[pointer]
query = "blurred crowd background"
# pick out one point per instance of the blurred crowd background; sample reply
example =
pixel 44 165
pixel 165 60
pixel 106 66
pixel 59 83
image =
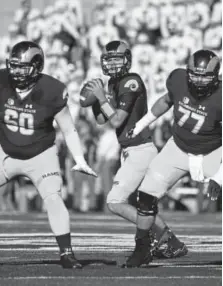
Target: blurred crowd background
pixel 161 33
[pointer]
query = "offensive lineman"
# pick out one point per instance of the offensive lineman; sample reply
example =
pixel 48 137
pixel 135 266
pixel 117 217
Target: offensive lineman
pixel 196 96
pixel 125 104
pixel 29 102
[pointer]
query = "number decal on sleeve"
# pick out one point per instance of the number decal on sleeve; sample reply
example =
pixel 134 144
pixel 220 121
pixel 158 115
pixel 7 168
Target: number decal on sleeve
pixel 19 122
pixel 186 114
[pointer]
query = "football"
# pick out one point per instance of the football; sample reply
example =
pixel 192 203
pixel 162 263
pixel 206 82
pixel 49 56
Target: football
pixel 87 98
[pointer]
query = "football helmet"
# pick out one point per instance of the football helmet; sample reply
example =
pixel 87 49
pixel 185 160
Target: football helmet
pixel 116 59
pixel 25 63
pixel 203 73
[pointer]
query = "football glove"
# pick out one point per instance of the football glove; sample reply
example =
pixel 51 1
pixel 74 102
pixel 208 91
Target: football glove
pixel 213 190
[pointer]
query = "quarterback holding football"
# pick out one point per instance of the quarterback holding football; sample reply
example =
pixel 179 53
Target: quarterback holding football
pixel 196 96
pixel 123 105
pixel 29 103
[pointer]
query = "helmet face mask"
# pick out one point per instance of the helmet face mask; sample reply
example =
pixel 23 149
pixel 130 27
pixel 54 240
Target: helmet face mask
pixel 24 65
pixel 202 73
pixel 116 59
pixel 20 73
pixel 202 84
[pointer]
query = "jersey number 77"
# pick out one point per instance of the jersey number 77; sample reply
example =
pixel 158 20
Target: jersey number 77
pixel 190 114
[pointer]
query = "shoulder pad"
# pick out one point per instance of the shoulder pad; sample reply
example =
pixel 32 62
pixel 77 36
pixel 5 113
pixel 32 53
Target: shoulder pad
pixel 51 82
pixel 175 77
pixel 56 91
pixel 131 83
pixel 3 76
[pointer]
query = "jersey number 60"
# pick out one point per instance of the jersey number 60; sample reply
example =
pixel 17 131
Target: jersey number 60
pixel 19 122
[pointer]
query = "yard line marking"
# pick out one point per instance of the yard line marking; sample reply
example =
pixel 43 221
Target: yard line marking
pixel 82 234
pixel 96 250
pixel 112 223
pixel 160 264
pixel 99 242
pixel 111 277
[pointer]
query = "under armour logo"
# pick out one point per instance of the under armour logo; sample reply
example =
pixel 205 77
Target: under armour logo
pixel 201 107
pixel 29 106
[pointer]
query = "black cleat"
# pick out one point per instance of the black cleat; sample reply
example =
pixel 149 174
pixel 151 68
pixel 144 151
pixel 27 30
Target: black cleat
pixel 68 260
pixel 170 251
pixel 142 254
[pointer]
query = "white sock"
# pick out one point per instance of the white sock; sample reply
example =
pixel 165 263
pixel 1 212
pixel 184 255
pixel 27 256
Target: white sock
pixel 58 214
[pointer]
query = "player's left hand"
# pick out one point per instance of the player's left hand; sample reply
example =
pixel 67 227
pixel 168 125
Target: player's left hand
pixel 129 134
pixel 132 133
pixel 84 168
pixel 214 190
pixel 96 87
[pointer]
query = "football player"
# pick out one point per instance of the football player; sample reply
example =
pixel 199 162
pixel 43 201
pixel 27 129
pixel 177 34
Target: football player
pixel 195 94
pixel 123 106
pixel 29 103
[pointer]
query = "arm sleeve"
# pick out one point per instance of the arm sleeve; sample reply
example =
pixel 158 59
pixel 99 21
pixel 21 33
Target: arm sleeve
pixel 96 108
pixel 99 116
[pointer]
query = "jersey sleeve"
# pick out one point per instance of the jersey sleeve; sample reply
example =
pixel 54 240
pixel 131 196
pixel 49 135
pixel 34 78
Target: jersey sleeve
pixel 175 83
pixel 60 98
pixel 130 88
pixel 170 85
pixel 4 78
pixel 219 104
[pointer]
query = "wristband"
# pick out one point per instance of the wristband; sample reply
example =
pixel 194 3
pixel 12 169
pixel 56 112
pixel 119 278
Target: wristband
pixel 107 109
pixel 145 121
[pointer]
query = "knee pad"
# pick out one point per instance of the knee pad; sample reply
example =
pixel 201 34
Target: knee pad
pixel 147 205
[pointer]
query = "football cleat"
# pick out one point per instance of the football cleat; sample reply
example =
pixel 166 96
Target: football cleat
pixel 141 255
pixel 68 260
pixel 170 251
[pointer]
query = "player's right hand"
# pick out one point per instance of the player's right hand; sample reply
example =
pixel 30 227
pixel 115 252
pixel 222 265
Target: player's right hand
pixel 84 168
pixel 84 88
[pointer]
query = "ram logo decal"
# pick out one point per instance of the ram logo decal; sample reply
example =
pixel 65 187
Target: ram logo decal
pixel 132 84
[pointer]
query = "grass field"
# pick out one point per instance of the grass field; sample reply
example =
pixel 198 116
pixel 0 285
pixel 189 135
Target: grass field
pixel 29 255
